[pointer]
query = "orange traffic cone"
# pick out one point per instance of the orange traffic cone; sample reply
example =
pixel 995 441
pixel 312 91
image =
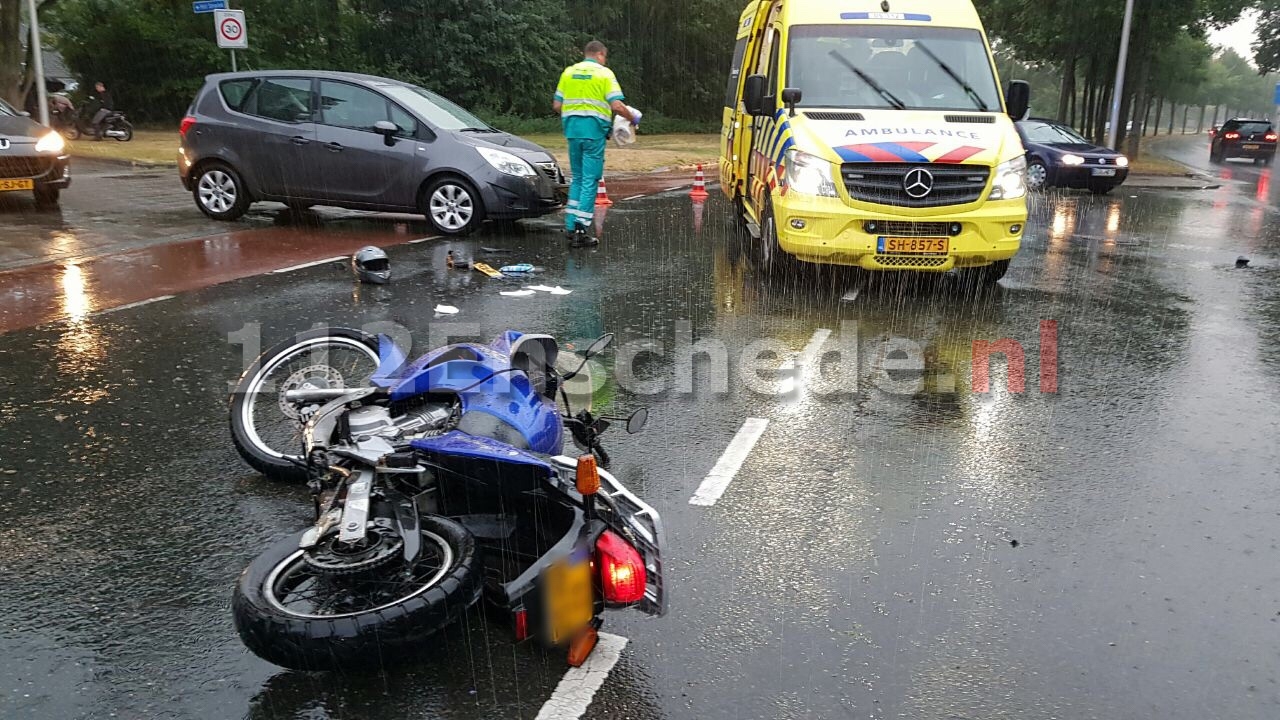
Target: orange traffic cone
pixel 699 184
pixel 602 195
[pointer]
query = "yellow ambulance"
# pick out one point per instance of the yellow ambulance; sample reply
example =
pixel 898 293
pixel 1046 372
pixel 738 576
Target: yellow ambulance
pixel 873 133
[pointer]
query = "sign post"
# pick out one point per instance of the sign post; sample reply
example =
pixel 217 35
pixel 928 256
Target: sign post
pixel 230 28
pixel 1276 119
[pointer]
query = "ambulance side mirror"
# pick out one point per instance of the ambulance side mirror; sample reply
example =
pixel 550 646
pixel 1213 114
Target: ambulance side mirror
pixel 1017 99
pixel 753 94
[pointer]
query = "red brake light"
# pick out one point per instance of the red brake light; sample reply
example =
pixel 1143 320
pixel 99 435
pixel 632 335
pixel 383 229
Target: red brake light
pixel 187 123
pixel 1270 137
pixel 622 574
pixel 1232 135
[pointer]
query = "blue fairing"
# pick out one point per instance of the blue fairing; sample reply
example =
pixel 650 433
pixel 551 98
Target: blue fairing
pixel 457 444
pixel 461 369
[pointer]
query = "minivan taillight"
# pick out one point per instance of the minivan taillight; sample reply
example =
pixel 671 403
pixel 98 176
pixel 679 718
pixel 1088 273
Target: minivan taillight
pixel 622 573
pixel 1270 137
pixel 1232 136
pixel 187 123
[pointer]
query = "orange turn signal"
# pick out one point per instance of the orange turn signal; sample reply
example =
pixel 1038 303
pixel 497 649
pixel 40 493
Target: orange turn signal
pixel 581 645
pixel 588 480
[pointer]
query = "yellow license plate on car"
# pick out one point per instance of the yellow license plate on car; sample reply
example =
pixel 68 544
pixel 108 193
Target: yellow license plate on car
pixel 1251 147
pixel 24 184
pixel 913 246
pixel 569 599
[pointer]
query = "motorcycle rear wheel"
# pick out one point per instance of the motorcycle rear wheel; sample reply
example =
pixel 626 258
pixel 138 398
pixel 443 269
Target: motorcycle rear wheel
pixel 350 628
pixel 265 435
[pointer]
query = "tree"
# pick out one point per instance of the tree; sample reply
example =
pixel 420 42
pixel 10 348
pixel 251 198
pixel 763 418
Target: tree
pixel 1266 49
pixel 15 69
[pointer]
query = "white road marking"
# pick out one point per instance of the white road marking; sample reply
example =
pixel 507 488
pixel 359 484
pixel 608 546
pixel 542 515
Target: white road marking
pixel 717 481
pixel 578 686
pixel 850 296
pixel 633 197
pixel 807 356
pixel 678 187
pixel 307 265
pixel 140 303
pixel 422 240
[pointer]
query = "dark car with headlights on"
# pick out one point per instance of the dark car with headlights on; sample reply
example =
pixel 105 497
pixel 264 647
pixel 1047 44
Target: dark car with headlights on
pixel 1058 156
pixel 33 158
pixel 1242 138
pixel 317 137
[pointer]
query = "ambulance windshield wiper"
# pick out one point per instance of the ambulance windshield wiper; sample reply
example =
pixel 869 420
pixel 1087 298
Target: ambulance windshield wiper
pixel 973 94
pixel 888 96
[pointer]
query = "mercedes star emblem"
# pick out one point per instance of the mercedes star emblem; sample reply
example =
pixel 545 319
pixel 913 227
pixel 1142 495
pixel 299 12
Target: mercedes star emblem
pixel 918 182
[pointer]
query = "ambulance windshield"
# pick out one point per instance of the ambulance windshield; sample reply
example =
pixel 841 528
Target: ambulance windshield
pixel 886 66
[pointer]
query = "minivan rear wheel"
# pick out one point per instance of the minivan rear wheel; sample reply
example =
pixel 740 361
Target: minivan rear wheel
pixel 220 192
pixel 452 206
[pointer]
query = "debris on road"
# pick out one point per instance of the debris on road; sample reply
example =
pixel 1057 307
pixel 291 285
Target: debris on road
pixel 486 269
pixel 516 293
pixel 446 310
pixel 517 269
pixel 1242 262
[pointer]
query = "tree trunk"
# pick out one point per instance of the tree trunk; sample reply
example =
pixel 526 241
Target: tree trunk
pixel 11 51
pixel 1067 88
pixel 1200 122
pixel 1155 126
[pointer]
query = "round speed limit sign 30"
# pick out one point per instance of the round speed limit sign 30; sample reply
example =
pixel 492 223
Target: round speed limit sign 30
pixel 231 29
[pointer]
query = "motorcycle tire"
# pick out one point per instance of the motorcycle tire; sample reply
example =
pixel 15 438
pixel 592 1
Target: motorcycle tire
pixel 128 131
pixel 71 133
pixel 355 641
pixel 245 435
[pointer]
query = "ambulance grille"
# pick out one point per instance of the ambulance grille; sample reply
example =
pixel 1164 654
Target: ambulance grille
pixel 834 115
pixel 980 119
pixel 911 261
pixel 899 228
pixel 881 183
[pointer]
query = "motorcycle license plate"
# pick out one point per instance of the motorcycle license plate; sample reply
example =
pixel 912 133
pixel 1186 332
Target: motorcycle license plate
pixel 1104 172
pixel 1252 146
pixel 24 184
pixel 569 598
pixel 912 246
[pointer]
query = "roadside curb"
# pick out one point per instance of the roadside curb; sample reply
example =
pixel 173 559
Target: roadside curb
pixel 140 164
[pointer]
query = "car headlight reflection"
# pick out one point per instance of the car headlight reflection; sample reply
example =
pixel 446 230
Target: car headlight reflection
pixel 51 143
pixel 809 174
pixel 505 162
pixel 1011 179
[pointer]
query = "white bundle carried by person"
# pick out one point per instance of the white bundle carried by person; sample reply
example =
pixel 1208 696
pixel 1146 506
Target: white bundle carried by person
pixel 624 132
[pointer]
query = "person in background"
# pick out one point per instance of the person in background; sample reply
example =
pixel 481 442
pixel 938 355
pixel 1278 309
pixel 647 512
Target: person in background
pixel 101 104
pixel 586 98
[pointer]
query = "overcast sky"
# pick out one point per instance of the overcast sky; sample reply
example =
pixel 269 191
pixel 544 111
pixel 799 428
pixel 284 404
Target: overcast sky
pixel 1238 37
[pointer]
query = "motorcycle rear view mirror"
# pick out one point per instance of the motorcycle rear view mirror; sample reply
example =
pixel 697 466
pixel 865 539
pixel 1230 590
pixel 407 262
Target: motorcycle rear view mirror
pixel 599 345
pixel 637 421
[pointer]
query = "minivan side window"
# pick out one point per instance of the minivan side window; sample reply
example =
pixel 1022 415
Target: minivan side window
pixel 735 70
pixel 234 92
pixel 351 106
pixel 283 99
pixel 407 123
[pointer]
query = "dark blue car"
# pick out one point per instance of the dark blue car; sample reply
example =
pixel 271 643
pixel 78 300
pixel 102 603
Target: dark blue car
pixel 1058 156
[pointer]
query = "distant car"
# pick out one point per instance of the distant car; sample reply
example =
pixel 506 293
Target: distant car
pixel 1213 131
pixel 1244 138
pixel 33 157
pixel 308 138
pixel 1058 156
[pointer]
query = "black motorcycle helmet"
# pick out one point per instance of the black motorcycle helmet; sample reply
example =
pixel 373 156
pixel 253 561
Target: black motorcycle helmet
pixel 370 264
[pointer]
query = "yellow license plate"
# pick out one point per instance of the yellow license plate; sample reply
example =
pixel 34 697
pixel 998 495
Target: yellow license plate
pixel 1251 147
pixel 7 185
pixel 913 246
pixel 569 599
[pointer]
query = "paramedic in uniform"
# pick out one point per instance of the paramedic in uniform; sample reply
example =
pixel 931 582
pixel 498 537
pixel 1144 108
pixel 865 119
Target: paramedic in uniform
pixel 586 98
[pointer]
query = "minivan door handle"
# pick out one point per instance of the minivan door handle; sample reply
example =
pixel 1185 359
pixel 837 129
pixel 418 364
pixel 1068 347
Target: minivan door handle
pixel 299 140
pixel 333 147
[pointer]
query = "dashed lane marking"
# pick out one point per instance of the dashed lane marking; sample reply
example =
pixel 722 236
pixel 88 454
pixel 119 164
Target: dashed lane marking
pixel 578 686
pixel 422 240
pixel 633 197
pixel 131 305
pixel 291 268
pixel 717 481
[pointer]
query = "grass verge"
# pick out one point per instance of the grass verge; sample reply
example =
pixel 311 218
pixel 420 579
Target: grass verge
pixel 152 147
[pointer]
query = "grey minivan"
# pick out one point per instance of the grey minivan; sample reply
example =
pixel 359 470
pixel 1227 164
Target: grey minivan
pixel 308 138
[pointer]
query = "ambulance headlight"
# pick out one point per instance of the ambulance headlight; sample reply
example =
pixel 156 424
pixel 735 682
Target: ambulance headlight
pixel 505 162
pixel 1011 179
pixel 809 174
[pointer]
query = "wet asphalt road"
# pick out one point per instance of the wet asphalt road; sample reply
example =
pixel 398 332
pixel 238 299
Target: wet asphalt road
pixel 862 564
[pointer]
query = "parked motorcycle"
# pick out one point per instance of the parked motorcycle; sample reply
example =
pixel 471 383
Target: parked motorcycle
pixel 115 126
pixel 435 482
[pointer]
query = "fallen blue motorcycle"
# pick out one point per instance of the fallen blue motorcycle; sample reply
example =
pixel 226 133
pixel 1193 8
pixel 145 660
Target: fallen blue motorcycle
pixel 436 482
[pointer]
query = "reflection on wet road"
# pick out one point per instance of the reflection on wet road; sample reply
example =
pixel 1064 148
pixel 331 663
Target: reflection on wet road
pixel 908 548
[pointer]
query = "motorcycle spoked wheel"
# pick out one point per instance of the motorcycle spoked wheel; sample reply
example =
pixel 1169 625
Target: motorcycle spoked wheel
pixel 290 614
pixel 266 431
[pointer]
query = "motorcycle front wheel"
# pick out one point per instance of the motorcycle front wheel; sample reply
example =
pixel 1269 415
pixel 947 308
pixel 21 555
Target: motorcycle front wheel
pixel 126 129
pixel 304 613
pixel 266 430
